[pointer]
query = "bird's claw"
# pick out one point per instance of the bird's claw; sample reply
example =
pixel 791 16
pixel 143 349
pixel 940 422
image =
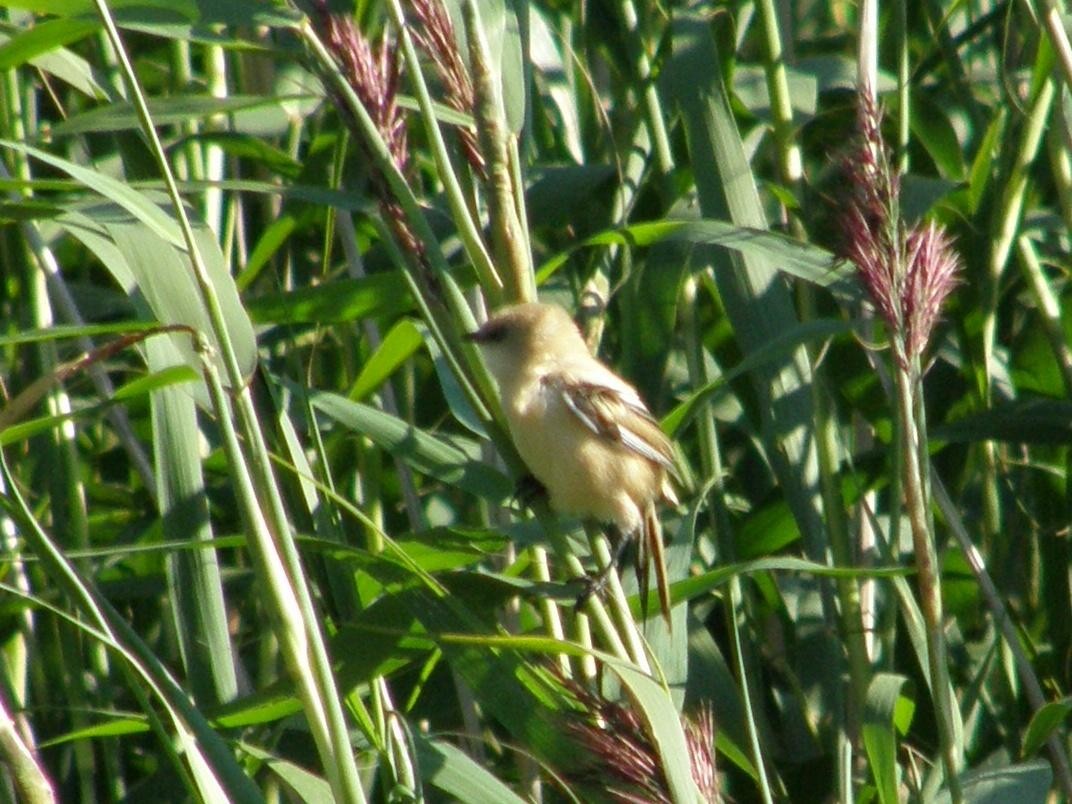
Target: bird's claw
pixel 593 585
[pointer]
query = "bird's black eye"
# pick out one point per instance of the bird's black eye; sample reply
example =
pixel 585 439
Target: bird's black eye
pixel 491 332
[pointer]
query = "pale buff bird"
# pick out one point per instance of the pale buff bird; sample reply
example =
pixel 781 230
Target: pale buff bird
pixel 582 430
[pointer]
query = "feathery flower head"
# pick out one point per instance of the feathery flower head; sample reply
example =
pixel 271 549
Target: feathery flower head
pixel 372 72
pixel 625 762
pixel 907 273
pixel 435 35
pixel 374 75
pixel 931 276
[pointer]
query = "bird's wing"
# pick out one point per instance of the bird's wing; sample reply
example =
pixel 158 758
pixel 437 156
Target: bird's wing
pixel 613 410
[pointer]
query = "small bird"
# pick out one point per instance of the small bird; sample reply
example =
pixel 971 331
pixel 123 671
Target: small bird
pixel 582 430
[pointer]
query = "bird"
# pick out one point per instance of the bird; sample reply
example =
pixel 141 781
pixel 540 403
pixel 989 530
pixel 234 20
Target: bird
pixel 583 432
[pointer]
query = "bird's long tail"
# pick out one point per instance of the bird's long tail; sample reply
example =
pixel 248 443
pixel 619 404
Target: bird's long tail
pixel 650 552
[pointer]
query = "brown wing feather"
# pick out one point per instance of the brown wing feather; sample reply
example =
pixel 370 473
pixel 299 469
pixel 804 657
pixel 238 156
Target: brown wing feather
pixel 609 413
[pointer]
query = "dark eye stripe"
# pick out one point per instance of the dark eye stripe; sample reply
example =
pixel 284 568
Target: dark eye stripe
pixel 492 332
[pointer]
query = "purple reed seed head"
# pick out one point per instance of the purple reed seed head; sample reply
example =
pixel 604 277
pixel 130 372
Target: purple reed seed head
pixel 931 275
pixel 374 75
pixel 908 276
pixel 434 34
pixel 624 762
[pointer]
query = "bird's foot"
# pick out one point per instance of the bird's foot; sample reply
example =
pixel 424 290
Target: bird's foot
pixel 597 582
pixel 592 585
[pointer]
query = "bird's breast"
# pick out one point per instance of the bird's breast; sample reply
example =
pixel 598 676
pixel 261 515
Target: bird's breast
pixel 585 474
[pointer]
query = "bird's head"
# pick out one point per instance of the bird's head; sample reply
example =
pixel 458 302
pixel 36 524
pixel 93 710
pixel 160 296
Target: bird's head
pixel 524 336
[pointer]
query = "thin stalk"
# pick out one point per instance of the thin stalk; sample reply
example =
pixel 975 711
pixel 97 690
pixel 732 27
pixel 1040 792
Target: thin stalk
pixel 848 590
pixel 28 777
pixel 1055 29
pixel 511 245
pixel 850 612
pixel 789 158
pixel 619 604
pixel 473 375
pixel 962 89
pixel 1059 145
pixel 867 56
pixel 656 121
pixel 904 85
pixel 467 705
pixel 1007 225
pixel 65 486
pixel 517 182
pixel 1049 308
pixel 742 660
pixel 626 189
pixel 468 227
pixel 594 607
pixel 552 617
pixel 908 388
pixel 325 519
pixel 845 768
pixel 17 741
pixel 188 163
pixel 356 269
pixel 888 539
pixel 286 611
pixel 307 654
pixel 583 636
pixel 141 667
pixel 113 79
pixel 229 237
pixel 402 761
pixel 711 459
pixel 1012 202
pixel 215 58
pixel 19 646
pixel 1058 753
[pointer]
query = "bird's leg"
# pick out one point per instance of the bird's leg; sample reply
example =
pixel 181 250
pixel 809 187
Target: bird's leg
pixel 620 541
pixel 594 584
pixel 528 489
